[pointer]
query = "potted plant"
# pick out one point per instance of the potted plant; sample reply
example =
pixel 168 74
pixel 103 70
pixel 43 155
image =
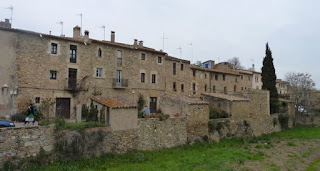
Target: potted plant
pixel 146 116
pixel 158 116
pixel 176 115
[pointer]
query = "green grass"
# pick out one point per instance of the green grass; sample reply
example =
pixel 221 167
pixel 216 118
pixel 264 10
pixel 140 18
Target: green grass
pixel 290 143
pixel 314 166
pixel 211 156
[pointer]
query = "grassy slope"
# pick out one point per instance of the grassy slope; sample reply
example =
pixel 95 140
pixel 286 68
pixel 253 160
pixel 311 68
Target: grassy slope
pixel 212 156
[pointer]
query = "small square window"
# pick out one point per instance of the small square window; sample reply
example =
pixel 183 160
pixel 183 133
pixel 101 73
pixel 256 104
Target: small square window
pixel 54 48
pixel 37 100
pixel 99 72
pixel 159 59
pixel 174 86
pixel 182 87
pixel 143 56
pixel 181 67
pixel 53 75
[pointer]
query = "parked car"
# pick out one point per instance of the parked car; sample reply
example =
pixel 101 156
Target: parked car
pixel 5 123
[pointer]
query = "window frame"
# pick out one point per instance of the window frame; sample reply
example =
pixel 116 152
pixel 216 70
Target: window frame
pixel 53 77
pixel 99 52
pixel 119 57
pixel 182 87
pixel 73 53
pixel 159 58
pixel 142 77
pixel 54 51
pixel 174 86
pixel 99 72
pixel 174 68
pixel 181 67
pixel 153 78
pixel 143 55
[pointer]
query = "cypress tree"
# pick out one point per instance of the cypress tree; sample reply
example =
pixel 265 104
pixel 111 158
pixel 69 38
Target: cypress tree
pixel 269 80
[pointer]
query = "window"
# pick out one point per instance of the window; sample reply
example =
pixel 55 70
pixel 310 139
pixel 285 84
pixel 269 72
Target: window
pixel 181 67
pixel 194 88
pixel 99 52
pixel 249 77
pixel 182 87
pixel 54 48
pixel 174 86
pixel 159 60
pixel 205 87
pixel 236 80
pixel 37 100
pixel 99 72
pixel 174 69
pixel 119 57
pixel 206 65
pixel 143 75
pixel 225 90
pixel 53 75
pixel 194 73
pixel 241 76
pixel 224 77
pixel 143 56
pixel 205 75
pixel 153 79
pixel 216 77
pixel 214 89
pixel 234 88
pixel 73 54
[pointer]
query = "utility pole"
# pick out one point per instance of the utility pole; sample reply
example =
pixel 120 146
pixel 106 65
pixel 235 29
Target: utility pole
pixel 81 23
pixel 163 38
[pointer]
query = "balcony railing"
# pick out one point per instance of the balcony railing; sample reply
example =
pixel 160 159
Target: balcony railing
pixel 120 83
pixel 72 84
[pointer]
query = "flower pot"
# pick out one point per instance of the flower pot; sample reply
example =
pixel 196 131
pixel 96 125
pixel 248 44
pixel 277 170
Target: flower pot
pixel 157 116
pixel 146 116
pixel 176 115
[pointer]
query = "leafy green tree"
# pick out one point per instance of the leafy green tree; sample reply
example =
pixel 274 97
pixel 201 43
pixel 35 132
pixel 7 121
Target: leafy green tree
pixel 198 63
pixel 141 102
pixel 269 80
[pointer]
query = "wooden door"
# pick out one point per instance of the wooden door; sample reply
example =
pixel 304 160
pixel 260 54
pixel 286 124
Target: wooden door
pixel 63 107
pixel 153 104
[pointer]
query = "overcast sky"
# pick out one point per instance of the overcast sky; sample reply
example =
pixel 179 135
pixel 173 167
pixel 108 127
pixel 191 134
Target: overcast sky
pixel 218 30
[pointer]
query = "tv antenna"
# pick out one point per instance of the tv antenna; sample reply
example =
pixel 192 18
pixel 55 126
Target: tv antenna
pixel 252 60
pixel 11 9
pixel 163 38
pixel 104 32
pixel 190 44
pixel 180 49
pixel 61 23
pixel 81 23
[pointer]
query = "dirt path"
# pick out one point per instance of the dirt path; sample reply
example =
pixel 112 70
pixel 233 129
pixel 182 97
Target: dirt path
pixel 292 154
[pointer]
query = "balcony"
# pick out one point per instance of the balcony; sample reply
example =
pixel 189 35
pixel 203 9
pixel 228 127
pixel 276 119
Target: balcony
pixel 119 83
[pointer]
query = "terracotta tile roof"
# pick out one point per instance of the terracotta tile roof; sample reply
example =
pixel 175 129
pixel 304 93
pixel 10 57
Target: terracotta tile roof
pixel 170 58
pixel 112 103
pixel 214 70
pixel 226 96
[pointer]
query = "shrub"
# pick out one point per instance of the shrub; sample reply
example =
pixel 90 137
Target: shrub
pixel 19 117
pixel 84 111
pixel 164 117
pixel 275 122
pixel 141 102
pixel 290 143
pixel 217 113
pixel 93 114
pixel 45 123
pixel 60 123
pixel 283 120
pixel 140 114
pixel 102 115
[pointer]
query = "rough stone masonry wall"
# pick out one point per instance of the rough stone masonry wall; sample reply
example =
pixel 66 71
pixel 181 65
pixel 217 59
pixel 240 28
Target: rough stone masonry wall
pixel 24 142
pixel 152 134
pixel 197 121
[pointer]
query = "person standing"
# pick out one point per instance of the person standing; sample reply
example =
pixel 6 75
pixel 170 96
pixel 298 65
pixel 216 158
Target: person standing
pixel 30 117
pixel 146 111
pixel 35 113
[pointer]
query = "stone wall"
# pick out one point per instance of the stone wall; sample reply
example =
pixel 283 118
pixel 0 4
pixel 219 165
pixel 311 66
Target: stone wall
pixel 24 142
pixel 152 134
pixel 312 119
pixel 197 121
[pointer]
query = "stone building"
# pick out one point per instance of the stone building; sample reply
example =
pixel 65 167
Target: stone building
pixel 282 86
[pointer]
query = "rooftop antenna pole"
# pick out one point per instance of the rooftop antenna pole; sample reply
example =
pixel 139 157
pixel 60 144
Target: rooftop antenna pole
pixel 252 64
pixel 163 38
pixel 191 51
pixel 180 50
pixel 81 23
pixel 61 23
pixel 11 9
pixel 104 32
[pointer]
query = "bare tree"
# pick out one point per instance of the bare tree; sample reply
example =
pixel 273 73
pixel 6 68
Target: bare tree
pixel 236 62
pixel 198 63
pixel 301 86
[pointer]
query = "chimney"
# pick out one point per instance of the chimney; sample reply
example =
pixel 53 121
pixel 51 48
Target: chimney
pixel 76 32
pixel 141 43
pixel 135 43
pixel 86 36
pixel 113 36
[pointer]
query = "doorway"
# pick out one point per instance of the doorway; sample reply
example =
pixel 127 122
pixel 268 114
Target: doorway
pixel 63 107
pixel 153 104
